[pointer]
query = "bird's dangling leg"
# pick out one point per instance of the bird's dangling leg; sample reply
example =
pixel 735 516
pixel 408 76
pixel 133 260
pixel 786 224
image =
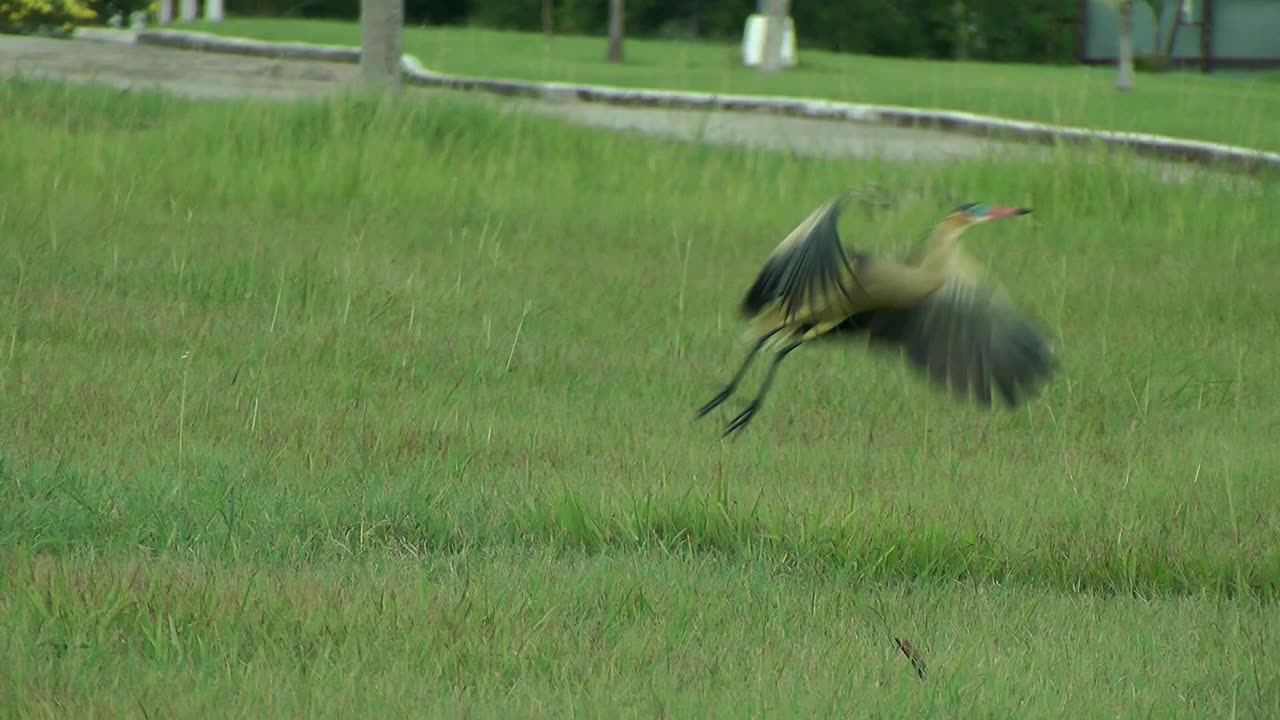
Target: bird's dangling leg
pixel 737 377
pixel 745 416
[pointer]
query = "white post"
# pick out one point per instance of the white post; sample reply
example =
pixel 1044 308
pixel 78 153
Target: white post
pixel 188 9
pixel 775 27
pixel 381 29
pixel 165 14
pixel 213 10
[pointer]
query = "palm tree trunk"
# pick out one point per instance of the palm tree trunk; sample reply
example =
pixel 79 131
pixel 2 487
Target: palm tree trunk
pixel 381 28
pixel 617 13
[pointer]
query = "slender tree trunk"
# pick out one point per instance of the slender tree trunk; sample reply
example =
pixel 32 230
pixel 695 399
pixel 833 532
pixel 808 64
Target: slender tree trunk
pixel 548 18
pixel 775 28
pixel 1173 32
pixel 1124 74
pixel 617 29
pixel 1157 10
pixel 961 14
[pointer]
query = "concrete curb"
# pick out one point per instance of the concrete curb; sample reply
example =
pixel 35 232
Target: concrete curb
pixel 207 42
pixel 107 35
pixel 1158 146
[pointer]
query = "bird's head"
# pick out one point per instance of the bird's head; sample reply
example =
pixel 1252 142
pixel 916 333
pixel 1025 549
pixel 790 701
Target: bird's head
pixel 976 212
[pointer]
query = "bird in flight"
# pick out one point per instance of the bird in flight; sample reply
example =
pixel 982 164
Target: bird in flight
pixel 934 307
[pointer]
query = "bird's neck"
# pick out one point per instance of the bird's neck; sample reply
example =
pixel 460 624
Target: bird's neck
pixel 941 245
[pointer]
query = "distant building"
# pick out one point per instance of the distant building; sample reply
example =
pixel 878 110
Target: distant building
pixel 1208 34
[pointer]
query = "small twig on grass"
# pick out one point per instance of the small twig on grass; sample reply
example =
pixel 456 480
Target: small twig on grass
pixel 917 660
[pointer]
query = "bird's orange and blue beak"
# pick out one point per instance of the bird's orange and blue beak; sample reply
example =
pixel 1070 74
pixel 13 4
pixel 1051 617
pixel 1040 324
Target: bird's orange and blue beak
pixel 998 212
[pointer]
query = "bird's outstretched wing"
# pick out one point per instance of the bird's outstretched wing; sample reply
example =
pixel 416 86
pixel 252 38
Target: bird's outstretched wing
pixel 969 337
pixel 809 273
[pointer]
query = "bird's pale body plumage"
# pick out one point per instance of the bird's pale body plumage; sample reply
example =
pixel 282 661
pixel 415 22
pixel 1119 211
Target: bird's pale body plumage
pixel 935 305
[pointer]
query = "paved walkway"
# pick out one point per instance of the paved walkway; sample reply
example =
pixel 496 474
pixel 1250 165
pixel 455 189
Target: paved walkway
pixel 191 74
pixel 214 75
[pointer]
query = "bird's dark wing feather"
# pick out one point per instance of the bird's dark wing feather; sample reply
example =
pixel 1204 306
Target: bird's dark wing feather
pixel 967 336
pixel 809 269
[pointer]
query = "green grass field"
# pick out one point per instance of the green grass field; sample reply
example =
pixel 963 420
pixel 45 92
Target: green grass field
pixel 1218 109
pixel 337 409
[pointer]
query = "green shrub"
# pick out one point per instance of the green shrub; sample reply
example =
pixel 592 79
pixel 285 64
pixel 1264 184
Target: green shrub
pixel 26 17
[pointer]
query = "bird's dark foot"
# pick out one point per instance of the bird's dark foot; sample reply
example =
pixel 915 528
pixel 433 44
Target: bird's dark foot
pixel 715 401
pixel 743 418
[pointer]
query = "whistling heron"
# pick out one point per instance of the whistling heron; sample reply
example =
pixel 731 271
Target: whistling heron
pixel 935 307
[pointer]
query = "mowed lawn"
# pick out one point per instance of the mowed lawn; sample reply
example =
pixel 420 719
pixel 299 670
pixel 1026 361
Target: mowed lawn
pixel 1225 109
pixel 337 409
